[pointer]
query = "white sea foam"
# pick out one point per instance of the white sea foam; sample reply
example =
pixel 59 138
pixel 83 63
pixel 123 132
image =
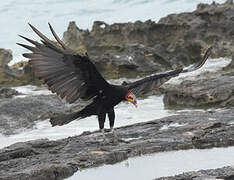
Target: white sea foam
pixel 31 90
pixel 167 126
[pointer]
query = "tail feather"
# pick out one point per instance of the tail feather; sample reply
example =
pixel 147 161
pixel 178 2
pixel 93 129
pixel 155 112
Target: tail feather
pixel 63 119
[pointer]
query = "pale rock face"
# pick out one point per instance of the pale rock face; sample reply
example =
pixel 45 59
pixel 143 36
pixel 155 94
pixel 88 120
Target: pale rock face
pixel 5 57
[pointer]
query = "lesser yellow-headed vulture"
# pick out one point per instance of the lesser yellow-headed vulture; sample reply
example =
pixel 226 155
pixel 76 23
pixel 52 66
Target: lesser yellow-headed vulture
pixel 73 76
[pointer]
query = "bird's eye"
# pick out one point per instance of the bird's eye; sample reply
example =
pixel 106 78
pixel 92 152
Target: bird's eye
pixel 129 97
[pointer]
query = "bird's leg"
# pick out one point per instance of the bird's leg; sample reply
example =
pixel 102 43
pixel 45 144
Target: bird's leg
pixel 103 133
pixel 101 121
pixel 111 116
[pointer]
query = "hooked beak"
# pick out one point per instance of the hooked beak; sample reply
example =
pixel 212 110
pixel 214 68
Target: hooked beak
pixel 134 102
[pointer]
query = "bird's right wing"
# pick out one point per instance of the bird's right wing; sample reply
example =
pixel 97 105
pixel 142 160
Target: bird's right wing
pixel 145 85
pixel 68 74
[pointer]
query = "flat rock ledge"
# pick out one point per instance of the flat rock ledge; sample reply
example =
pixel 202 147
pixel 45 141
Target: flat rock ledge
pixel 207 92
pixel 44 159
pixel 225 173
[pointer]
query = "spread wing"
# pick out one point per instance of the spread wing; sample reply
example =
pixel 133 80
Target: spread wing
pixel 145 85
pixel 70 75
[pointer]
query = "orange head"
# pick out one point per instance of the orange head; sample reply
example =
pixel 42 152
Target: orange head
pixel 131 98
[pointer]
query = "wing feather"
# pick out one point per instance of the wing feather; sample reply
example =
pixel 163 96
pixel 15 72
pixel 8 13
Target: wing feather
pixel 68 74
pixel 57 80
pixel 56 37
pixel 146 85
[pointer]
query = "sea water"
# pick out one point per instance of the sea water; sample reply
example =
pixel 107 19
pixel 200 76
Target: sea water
pixel 160 164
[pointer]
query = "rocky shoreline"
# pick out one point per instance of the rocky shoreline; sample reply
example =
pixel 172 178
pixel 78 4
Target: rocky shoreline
pixel 43 159
pixel 130 50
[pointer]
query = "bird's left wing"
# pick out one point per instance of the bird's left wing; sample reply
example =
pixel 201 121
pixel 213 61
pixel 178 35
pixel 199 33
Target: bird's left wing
pixel 68 74
pixel 145 85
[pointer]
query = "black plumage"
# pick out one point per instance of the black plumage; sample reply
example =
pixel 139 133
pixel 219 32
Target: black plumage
pixel 74 77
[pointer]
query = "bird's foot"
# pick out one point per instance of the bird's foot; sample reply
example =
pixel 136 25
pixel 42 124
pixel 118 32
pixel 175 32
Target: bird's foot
pixel 105 140
pixel 115 138
pixel 111 137
pixel 112 132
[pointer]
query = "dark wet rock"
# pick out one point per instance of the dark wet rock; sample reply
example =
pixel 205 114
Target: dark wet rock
pixel 214 90
pixel 145 47
pixel 21 113
pixel 43 159
pixel 7 92
pixel 225 173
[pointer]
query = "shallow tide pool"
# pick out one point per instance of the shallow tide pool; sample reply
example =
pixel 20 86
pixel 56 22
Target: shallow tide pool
pixel 160 164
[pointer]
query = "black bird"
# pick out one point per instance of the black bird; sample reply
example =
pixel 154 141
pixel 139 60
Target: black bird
pixel 73 77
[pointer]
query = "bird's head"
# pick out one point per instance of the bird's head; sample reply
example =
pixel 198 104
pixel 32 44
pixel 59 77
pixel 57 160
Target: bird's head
pixel 131 98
